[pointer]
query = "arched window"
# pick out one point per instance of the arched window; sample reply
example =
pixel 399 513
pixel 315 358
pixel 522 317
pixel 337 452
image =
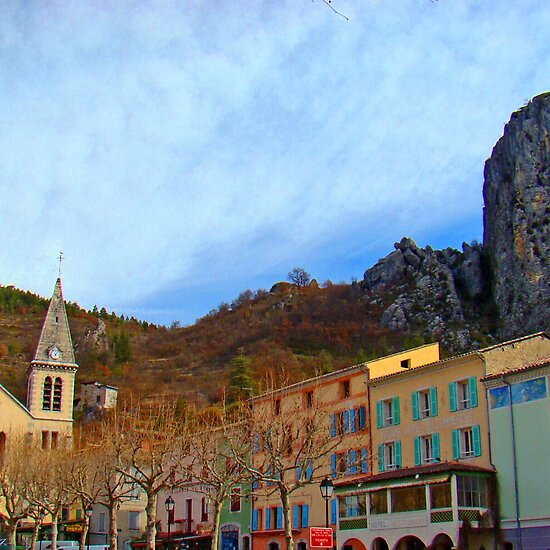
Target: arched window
pixel 273 546
pixel 47 394
pixel 57 387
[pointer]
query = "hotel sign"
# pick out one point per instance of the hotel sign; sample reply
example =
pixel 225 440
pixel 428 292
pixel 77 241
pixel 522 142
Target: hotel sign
pixel 405 523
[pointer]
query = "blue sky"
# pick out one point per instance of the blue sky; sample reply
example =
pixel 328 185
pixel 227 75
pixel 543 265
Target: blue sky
pixel 179 152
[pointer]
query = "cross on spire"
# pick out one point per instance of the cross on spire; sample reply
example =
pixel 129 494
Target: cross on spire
pixel 60 258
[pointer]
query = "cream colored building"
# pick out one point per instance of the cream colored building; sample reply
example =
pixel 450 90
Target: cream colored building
pixel 47 416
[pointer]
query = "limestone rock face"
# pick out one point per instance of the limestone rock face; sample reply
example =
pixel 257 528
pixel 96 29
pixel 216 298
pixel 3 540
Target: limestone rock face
pixel 517 219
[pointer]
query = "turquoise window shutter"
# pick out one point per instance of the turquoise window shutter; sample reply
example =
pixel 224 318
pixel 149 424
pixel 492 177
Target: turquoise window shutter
pixel 333 511
pixel 305 515
pixel 345 421
pixel 295 516
pixel 397 447
pixel 254 520
pixel 472 383
pixel 452 397
pixel 476 440
pixel 396 415
pixel 380 458
pixel 417 451
pixel 364 465
pixel 353 462
pixel 433 401
pixel 435 447
pixel 332 426
pixel 414 401
pixel 456 444
pixel 361 417
pixel 268 518
pixel 279 518
pixel 379 421
pixel 333 465
pixel 352 420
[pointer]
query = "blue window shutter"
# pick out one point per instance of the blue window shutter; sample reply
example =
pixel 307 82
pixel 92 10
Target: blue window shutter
pixel 456 444
pixel 433 401
pixel 345 421
pixel 364 465
pixel 397 446
pixel 254 520
pixel 452 396
pixel 332 426
pixel 333 465
pixel 254 483
pixel 414 401
pixel 256 443
pixel 396 415
pixel 379 421
pixel 476 440
pixel 435 447
pixel 298 471
pixel 352 420
pixel 295 516
pixel 333 510
pixel 279 518
pixel 361 417
pixel 417 451
pixel 305 515
pixel 268 518
pixel 380 458
pixel 472 383
pixel 352 462
pixel 309 471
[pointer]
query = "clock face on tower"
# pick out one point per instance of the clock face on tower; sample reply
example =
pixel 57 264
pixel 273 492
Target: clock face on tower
pixel 55 353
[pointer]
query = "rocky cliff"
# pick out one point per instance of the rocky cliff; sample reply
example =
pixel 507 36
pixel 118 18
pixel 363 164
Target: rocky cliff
pixel 517 219
pixel 500 289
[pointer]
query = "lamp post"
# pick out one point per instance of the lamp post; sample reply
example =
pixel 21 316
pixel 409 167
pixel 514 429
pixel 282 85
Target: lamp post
pixel 327 488
pixel 89 512
pixel 169 504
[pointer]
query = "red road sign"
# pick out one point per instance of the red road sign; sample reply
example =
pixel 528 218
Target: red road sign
pixel 320 537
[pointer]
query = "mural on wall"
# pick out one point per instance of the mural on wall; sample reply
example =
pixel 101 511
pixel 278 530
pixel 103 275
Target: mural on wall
pixel 522 392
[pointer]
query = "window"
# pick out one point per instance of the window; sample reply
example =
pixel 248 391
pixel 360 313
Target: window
pixel 424 403
pixel 277 407
pixel 58 384
pixel 133 520
pixel 204 510
pixel 78 513
pixel 463 394
pixel 387 412
pixel 345 389
pixel 55 440
pixel 349 462
pixel 257 519
pixel 64 514
pixel 273 518
pixel 405 363
pixel 347 421
pixel 309 399
pixel 472 491
pixel 378 502
pixel 300 516
pixel 440 495
pixel 408 499
pixel 45 440
pixel 101 522
pixel 351 506
pixel 426 449
pixel 389 456
pixel 466 442
pixel 235 504
pixel 47 394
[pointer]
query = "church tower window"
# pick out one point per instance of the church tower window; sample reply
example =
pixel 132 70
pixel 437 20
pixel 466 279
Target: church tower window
pixel 47 394
pixel 57 387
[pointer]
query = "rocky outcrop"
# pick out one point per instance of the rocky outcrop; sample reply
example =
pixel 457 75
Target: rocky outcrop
pixel 517 219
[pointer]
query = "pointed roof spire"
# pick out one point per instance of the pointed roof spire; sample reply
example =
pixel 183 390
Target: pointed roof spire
pixel 55 344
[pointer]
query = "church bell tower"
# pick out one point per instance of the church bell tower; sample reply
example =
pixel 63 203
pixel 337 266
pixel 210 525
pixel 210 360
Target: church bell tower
pixel 51 374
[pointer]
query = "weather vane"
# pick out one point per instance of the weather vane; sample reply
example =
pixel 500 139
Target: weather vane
pixel 60 260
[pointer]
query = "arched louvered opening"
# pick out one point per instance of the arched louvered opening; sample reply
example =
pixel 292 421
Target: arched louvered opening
pixel 57 389
pixel 47 394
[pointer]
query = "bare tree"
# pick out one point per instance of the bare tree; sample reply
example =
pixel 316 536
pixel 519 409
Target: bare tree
pixel 299 276
pixel 154 438
pixel 14 479
pixel 289 446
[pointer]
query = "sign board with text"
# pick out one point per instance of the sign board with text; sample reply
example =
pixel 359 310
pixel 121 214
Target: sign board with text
pixel 320 537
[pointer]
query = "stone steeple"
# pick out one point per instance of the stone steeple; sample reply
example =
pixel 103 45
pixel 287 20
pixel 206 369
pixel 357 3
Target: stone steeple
pixel 55 344
pixel 51 374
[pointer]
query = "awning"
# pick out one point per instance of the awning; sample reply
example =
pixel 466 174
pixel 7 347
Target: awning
pixel 401 483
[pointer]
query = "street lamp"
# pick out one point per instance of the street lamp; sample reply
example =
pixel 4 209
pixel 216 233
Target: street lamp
pixel 89 512
pixel 169 504
pixel 327 488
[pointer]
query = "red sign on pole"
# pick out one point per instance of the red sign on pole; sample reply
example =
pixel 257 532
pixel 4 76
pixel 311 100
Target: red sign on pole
pixel 320 537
